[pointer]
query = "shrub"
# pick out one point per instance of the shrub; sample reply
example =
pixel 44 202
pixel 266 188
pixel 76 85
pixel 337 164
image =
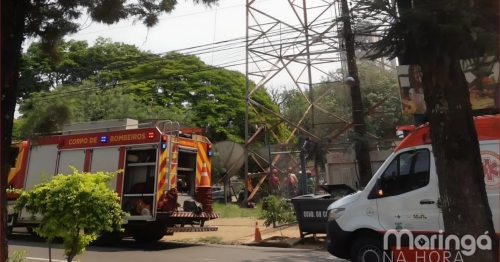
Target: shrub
pixel 278 211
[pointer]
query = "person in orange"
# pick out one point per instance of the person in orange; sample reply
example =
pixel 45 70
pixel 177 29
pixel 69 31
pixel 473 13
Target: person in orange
pixel 274 182
pixel 249 186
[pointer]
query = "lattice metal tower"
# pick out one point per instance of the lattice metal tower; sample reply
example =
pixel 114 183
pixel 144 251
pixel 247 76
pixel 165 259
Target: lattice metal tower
pixel 299 41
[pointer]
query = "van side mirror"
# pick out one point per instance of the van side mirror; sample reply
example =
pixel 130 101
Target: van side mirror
pixel 380 190
pixel 377 190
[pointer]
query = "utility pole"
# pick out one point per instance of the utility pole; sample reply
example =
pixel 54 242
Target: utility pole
pixel 362 149
pixel 303 177
pixel 311 93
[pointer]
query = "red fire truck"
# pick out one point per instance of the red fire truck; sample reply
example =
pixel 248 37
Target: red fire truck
pixel 155 157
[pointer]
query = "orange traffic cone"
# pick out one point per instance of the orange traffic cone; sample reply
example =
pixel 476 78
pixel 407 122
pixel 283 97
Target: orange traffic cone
pixel 257 237
pixel 205 180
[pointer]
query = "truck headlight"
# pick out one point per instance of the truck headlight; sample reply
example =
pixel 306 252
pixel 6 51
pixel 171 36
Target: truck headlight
pixel 335 213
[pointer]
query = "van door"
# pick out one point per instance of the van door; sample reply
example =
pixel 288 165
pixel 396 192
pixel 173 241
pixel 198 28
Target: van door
pixel 410 192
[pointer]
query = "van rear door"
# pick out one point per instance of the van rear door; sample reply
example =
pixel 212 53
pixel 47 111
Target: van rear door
pixel 410 192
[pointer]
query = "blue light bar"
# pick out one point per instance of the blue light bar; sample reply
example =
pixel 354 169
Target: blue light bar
pixel 163 145
pixel 210 153
pixel 104 139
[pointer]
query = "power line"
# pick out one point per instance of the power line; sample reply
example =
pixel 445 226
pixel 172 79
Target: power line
pixel 220 48
pixel 223 46
pixel 163 19
pixel 99 87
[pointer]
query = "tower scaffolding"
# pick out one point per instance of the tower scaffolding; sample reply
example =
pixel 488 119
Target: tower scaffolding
pixel 301 41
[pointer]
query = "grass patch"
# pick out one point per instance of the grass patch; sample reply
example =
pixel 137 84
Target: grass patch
pixel 211 240
pixel 234 211
pixel 185 240
pixel 206 240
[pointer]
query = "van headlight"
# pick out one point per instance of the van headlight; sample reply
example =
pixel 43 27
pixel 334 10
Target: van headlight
pixel 335 213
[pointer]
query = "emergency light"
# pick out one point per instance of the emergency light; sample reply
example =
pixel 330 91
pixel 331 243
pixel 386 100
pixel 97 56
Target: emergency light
pixel 209 151
pixel 163 142
pixel 104 139
pixel 151 135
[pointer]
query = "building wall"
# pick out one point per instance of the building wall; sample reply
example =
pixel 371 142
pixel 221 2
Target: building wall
pixel 341 168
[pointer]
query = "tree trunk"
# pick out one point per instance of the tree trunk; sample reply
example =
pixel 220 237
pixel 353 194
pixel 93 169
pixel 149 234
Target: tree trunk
pixel 13 15
pixel 457 155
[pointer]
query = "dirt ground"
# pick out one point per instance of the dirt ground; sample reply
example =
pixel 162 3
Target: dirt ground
pixel 236 230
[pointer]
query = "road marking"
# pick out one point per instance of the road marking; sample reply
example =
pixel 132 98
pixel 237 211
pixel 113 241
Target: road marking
pixel 44 259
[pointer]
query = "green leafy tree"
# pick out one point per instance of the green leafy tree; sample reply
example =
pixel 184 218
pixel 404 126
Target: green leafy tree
pixel 436 36
pixel 215 96
pixel 278 211
pixel 16 130
pixel 75 207
pixel 51 21
pixel 18 256
pixel 334 97
pixel 86 103
pixel 175 82
pixel 104 62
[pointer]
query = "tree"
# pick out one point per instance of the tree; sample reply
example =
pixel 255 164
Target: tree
pixel 174 82
pixel 86 103
pixel 51 21
pixel 278 211
pixel 75 207
pixel 376 84
pixel 436 36
pixel 104 63
pixel 334 97
pixel 16 130
pixel 18 256
pixel 214 95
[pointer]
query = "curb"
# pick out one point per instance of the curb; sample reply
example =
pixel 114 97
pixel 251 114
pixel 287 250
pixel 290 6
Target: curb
pixel 272 230
pixel 269 244
pixel 289 243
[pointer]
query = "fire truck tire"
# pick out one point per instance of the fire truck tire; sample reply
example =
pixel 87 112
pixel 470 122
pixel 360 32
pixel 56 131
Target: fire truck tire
pixel 108 238
pixel 152 237
pixel 30 231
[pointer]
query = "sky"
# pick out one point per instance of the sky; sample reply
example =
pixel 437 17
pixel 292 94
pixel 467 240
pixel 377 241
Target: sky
pixel 192 25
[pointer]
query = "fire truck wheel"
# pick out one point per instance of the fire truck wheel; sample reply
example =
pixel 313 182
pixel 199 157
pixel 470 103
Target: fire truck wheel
pixel 30 230
pixel 108 238
pixel 152 237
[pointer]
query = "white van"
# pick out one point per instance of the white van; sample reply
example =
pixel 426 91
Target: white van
pixel 403 194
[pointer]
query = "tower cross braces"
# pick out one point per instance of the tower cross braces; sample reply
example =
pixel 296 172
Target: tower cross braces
pixel 301 41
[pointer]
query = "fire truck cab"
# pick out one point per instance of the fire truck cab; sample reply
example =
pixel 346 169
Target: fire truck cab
pixel 156 158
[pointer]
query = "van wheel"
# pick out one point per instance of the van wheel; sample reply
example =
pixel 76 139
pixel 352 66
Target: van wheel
pixel 367 250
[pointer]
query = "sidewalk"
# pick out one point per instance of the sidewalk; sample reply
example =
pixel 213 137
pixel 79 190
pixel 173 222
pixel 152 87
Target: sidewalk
pixel 235 231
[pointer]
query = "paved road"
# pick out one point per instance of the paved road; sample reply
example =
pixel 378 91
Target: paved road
pixel 129 251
